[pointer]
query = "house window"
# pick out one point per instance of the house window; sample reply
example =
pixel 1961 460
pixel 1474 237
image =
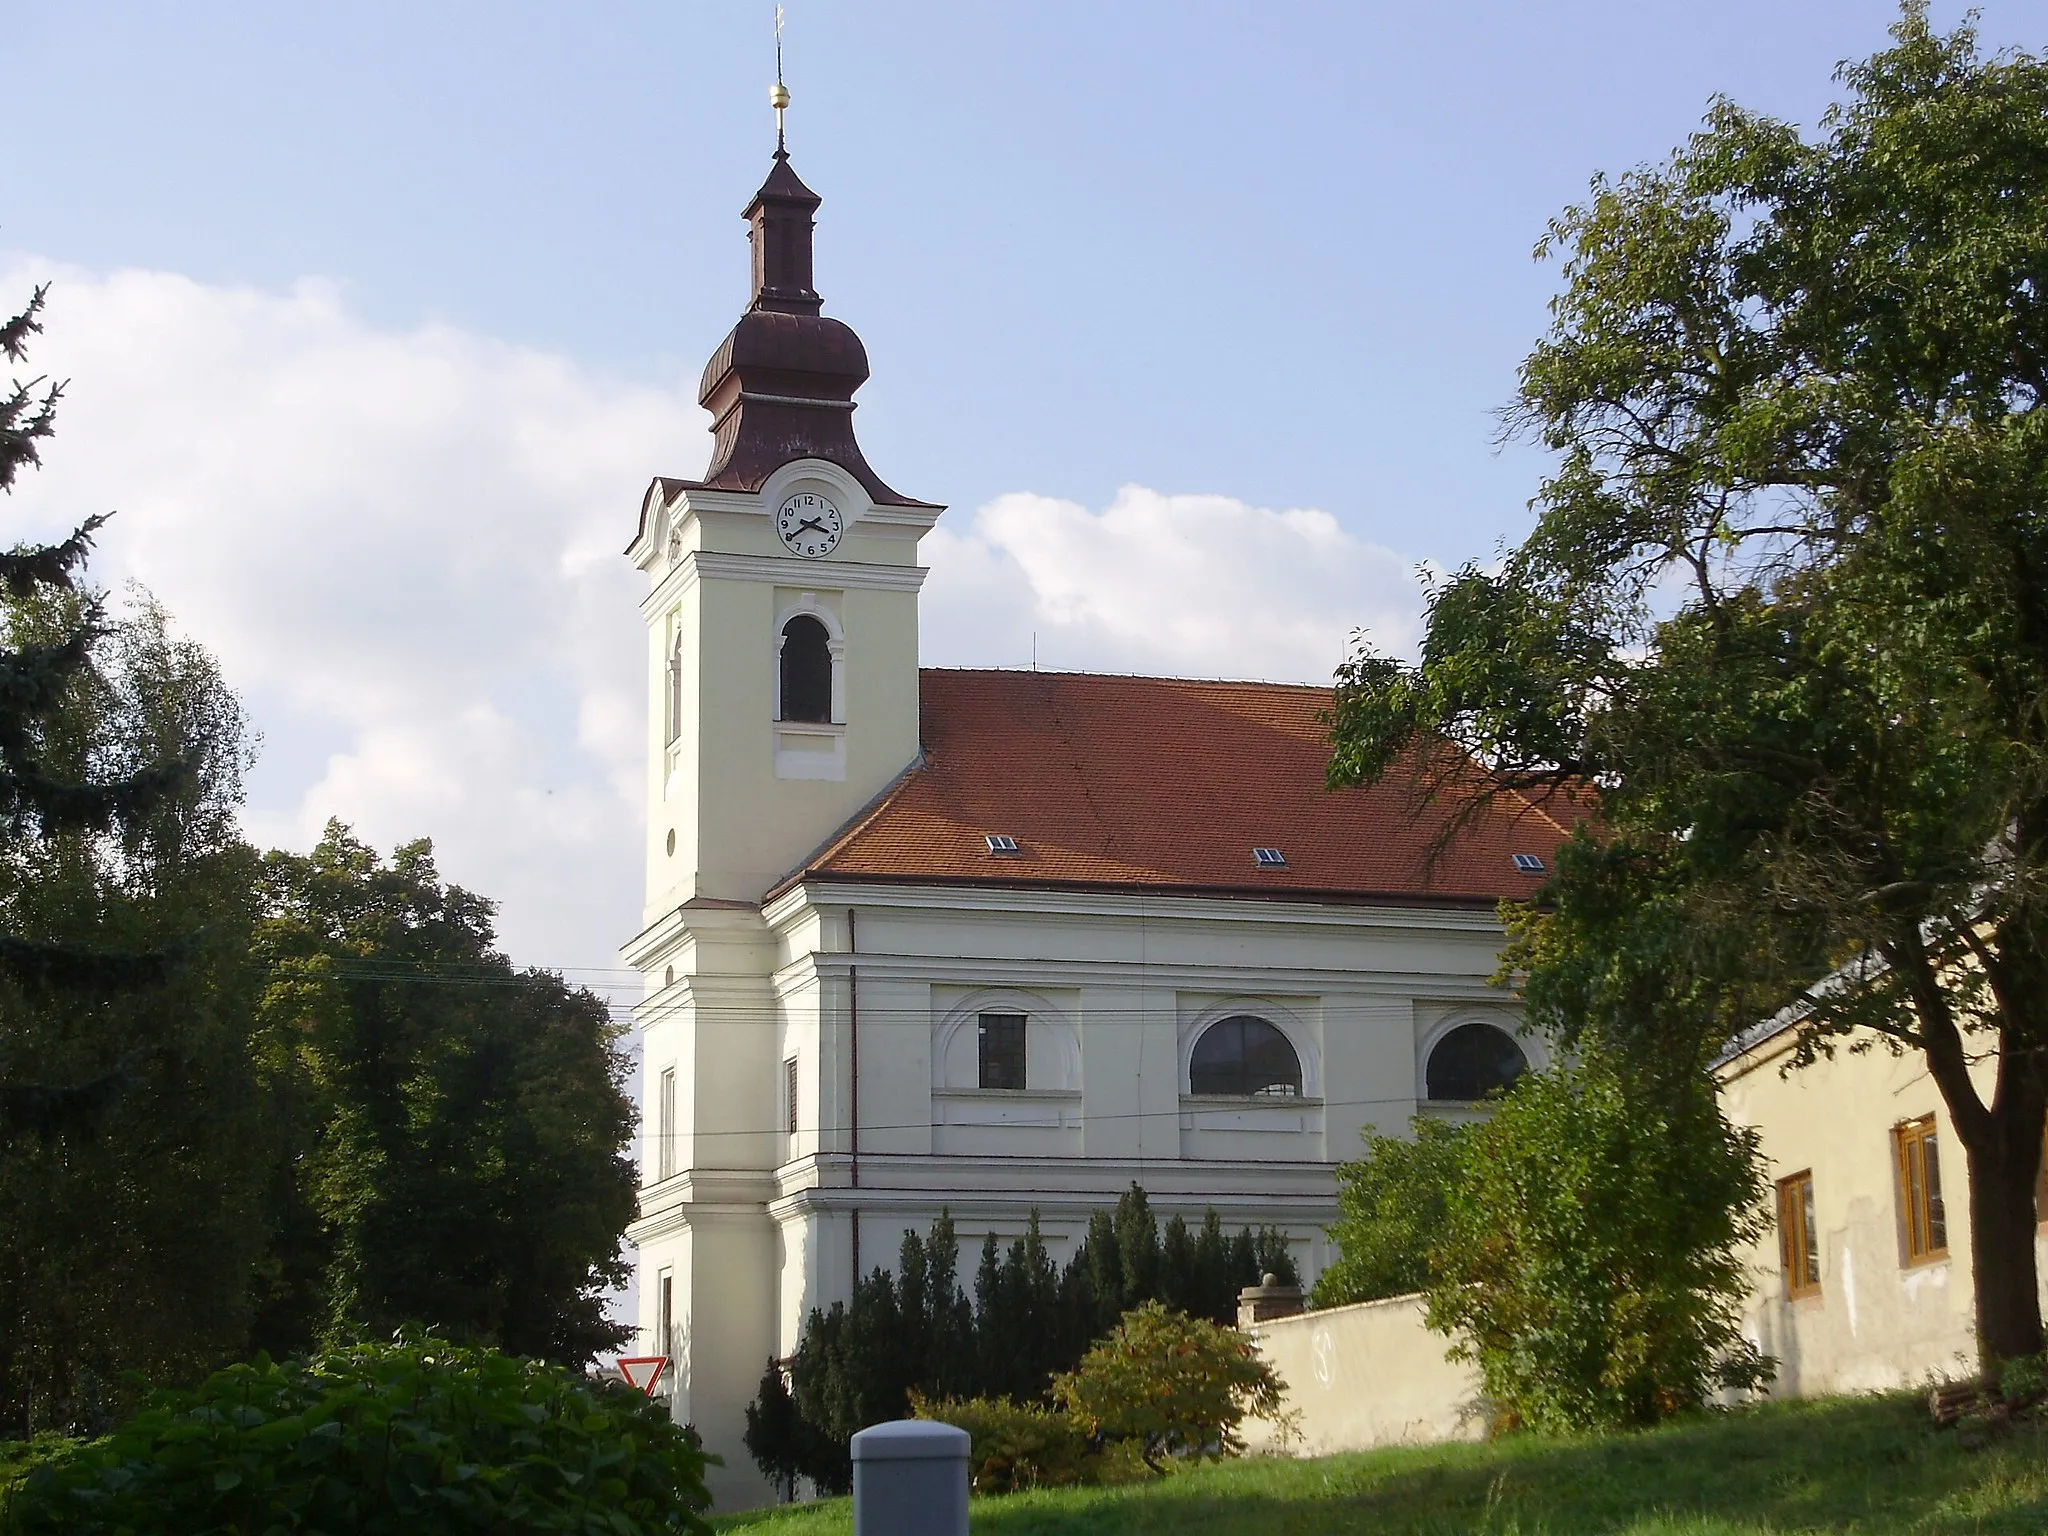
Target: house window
pixel 806 670
pixel 789 1094
pixel 1245 1057
pixel 665 1126
pixel 1474 1061
pixel 1923 1226
pixel 1798 1236
pixel 1002 1050
pixel 665 1314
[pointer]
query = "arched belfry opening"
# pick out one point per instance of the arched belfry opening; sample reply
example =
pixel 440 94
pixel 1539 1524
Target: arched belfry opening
pixel 806 693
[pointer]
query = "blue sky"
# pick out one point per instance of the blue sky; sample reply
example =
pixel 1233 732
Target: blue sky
pixel 1198 315
pixel 1278 252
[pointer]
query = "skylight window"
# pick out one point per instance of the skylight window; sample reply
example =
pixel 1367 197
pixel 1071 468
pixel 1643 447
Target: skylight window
pixel 1528 864
pixel 1269 858
pixel 1003 846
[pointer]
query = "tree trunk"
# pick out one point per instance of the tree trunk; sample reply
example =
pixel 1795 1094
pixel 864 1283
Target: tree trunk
pixel 2003 1168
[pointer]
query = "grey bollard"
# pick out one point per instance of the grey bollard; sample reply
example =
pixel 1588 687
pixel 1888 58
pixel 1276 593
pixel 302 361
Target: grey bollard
pixel 910 1479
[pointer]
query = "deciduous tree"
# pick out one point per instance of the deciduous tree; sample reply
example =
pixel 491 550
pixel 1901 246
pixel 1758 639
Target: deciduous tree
pixel 1785 608
pixel 458 1128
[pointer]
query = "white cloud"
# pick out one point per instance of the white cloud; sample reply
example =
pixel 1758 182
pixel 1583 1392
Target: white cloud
pixel 1186 585
pixel 404 547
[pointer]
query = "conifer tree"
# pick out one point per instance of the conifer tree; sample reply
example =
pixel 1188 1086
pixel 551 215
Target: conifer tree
pixel 52 787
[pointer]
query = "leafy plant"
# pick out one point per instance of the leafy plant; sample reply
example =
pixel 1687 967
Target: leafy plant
pixel 1590 1258
pixel 1392 1209
pixel 1176 1385
pixel 417 1437
pixel 456 1130
pixel 1015 1445
pixel 1781 608
pixel 914 1331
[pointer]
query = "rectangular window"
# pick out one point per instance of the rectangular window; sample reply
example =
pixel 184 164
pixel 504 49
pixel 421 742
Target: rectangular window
pixel 1798 1235
pixel 665 1314
pixel 1002 1050
pixel 789 1094
pixel 665 1127
pixel 1923 1225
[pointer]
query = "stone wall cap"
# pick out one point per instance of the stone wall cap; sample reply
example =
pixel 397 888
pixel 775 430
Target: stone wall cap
pixel 911 1440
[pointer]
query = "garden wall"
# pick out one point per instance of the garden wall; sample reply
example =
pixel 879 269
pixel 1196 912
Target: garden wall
pixel 1366 1375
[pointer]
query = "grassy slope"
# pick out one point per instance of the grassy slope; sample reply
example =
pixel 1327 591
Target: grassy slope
pixel 1845 1464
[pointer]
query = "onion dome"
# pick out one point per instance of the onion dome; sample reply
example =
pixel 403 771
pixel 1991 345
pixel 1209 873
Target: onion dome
pixel 781 385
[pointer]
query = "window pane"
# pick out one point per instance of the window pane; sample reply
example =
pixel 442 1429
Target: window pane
pixel 1812 1231
pixel 1002 1050
pixel 1244 1056
pixel 806 670
pixel 1937 1218
pixel 1472 1061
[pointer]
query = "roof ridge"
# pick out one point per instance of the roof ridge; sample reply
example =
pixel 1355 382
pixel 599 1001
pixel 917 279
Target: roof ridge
pixel 1134 677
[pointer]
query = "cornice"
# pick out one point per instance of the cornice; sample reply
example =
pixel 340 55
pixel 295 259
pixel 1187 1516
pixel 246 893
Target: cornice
pixel 1193 907
pixel 1056 973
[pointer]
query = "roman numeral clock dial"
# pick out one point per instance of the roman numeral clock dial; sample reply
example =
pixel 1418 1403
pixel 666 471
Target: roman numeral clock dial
pixel 809 525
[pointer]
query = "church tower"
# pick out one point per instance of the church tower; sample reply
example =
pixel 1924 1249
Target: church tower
pixel 782 698
pixel 782 615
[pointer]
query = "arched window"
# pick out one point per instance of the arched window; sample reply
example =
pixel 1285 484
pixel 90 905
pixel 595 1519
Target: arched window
pixel 675 690
pixel 1246 1057
pixel 1474 1061
pixel 806 670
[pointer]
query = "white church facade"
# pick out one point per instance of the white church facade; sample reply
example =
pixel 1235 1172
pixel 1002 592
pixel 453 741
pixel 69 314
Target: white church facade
pixel 985 941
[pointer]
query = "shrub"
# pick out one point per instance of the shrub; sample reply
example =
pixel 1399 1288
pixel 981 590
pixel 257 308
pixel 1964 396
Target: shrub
pixel 1015 1445
pixel 1173 1384
pixel 418 1437
pixel 1392 1208
pixel 18 1458
pixel 1590 1259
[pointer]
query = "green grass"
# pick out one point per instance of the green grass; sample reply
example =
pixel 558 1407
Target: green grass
pixel 1864 1465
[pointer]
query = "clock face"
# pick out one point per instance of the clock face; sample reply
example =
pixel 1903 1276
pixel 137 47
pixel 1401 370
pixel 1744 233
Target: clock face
pixel 809 525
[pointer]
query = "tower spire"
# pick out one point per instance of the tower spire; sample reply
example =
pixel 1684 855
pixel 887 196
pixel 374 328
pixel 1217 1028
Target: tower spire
pixel 778 98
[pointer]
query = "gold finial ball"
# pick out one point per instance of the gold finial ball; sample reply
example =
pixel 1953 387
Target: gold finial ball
pixel 778 96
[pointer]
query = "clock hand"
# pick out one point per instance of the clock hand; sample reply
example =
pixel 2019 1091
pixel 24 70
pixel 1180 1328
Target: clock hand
pixel 810 523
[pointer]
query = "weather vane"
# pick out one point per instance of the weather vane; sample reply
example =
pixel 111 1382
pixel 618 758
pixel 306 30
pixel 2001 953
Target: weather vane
pixel 779 97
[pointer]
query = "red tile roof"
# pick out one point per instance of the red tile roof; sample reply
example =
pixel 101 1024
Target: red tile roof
pixel 1160 784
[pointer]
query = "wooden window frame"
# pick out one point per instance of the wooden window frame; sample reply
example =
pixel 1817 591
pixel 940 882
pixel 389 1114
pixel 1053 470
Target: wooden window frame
pixel 1923 1216
pixel 1798 1236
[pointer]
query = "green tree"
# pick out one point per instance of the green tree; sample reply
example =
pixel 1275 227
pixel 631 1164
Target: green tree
pixel 457 1129
pixel 1392 1211
pixel 1177 1386
pixel 67 776
pixel 1020 1334
pixel 1783 607
pixel 1590 1257
pixel 782 1442
pixel 126 1245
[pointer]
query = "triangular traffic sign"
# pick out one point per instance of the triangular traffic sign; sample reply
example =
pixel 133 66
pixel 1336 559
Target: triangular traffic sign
pixel 642 1371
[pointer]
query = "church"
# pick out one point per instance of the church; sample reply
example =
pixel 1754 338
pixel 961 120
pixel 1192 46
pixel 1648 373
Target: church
pixel 985 941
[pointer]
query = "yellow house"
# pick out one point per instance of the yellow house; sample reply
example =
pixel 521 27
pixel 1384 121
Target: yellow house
pixel 1865 1282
